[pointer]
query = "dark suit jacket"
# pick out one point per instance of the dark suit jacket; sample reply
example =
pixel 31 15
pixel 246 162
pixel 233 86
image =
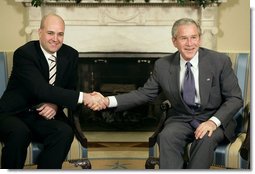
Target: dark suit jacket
pixel 218 86
pixel 28 84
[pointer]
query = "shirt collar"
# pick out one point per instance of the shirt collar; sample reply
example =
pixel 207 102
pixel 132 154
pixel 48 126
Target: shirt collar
pixel 46 54
pixel 193 61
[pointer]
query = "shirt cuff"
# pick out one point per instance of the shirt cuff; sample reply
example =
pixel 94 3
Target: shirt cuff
pixel 80 100
pixel 215 120
pixel 112 101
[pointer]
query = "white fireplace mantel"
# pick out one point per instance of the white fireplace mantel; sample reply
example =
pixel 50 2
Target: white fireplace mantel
pixel 139 27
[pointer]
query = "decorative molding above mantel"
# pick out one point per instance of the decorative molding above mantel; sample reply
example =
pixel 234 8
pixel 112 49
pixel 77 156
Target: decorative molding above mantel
pixel 167 3
pixel 136 27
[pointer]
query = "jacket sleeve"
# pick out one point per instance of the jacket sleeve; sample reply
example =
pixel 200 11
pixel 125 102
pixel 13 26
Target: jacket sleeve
pixel 27 72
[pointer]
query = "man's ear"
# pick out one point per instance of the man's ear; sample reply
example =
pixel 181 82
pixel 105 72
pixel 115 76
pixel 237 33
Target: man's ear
pixel 174 41
pixel 39 31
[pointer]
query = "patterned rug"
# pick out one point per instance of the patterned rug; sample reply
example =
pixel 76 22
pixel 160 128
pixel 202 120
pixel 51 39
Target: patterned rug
pixel 112 164
pixel 107 164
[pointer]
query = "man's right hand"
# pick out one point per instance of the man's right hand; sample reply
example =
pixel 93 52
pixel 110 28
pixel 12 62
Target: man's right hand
pixel 95 101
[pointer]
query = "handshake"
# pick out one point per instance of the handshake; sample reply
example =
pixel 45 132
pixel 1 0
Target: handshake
pixel 95 101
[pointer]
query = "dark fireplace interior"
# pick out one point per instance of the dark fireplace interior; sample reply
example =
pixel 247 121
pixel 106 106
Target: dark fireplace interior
pixel 114 73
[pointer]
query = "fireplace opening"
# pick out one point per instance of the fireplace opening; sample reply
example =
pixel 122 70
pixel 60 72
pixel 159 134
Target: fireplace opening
pixel 114 73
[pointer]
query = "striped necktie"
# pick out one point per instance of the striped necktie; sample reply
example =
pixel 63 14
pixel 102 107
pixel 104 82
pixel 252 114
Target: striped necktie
pixel 52 70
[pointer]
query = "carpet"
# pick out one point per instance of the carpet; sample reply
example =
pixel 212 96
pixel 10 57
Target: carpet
pixel 111 164
pixel 107 164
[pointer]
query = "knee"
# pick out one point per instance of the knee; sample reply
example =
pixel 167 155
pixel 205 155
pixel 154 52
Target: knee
pixel 165 137
pixel 17 135
pixel 161 137
pixel 209 141
pixel 66 132
pixel 69 132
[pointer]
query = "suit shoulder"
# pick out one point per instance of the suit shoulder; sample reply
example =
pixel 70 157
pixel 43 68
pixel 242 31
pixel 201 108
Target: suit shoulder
pixel 214 55
pixel 28 45
pixel 69 53
pixel 166 59
pixel 214 59
pixel 69 48
pixel 209 51
pixel 28 49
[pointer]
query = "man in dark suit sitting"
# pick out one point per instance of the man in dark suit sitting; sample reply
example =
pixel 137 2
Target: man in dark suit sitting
pixel 204 95
pixel 42 83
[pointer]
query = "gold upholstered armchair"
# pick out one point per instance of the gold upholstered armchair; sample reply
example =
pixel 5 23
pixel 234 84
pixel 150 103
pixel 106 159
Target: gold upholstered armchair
pixel 234 155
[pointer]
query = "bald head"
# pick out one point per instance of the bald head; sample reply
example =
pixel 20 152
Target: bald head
pixel 51 17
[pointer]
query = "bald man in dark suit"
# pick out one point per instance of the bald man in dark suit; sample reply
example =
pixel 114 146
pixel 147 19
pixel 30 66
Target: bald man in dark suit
pixel 31 108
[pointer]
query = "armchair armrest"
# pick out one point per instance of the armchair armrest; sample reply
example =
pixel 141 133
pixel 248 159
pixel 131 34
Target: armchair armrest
pixel 74 117
pixel 75 120
pixel 164 107
pixel 245 148
pixel 152 161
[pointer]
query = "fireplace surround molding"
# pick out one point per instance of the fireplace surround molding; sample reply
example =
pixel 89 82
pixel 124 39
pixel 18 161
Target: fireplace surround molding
pixel 132 27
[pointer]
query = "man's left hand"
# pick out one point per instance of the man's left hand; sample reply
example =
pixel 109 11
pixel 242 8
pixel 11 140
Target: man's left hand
pixel 207 126
pixel 47 110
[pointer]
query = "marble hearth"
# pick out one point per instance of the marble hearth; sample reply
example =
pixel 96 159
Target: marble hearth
pixel 111 26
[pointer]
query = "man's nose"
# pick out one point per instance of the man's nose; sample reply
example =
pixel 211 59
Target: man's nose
pixel 55 37
pixel 189 41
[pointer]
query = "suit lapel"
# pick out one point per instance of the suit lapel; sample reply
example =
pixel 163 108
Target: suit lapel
pixel 174 80
pixel 43 62
pixel 62 62
pixel 205 78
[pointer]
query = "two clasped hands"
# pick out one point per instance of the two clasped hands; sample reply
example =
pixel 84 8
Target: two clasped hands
pixel 95 101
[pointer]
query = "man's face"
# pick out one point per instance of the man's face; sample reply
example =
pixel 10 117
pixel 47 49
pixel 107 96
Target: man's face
pixel 187 41
pixel 51 36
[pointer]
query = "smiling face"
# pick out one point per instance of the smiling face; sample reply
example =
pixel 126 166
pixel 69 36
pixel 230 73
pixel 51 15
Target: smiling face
pixel 51 33
pixel 187 40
